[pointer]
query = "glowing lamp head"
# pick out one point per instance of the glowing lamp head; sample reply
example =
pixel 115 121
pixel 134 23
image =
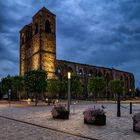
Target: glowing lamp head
pixel 69 75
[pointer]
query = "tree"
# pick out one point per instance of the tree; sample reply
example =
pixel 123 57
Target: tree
pixel 36 83
pixel 76 86
pixel 116 87
pixel 6 84
pixel 63 87
pixel 137 92
pixel 96 85
pixel 18 85
pixel 1 93
pixel 53 87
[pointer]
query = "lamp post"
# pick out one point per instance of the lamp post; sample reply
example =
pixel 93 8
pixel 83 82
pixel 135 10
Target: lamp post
pixel 9 96
pixel 130 92
pixel 69 94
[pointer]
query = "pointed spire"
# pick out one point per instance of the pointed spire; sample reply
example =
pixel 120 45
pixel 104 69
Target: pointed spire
pixel 44 9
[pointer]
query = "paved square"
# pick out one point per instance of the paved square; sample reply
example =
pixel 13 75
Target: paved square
pixel 116 128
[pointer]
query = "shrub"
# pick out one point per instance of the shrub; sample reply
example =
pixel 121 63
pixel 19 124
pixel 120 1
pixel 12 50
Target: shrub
pixel 91 114
pixel 136 122
pixel 57 110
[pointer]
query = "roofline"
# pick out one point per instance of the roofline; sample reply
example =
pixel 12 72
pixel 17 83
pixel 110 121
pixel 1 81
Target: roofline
pixel 95 66
pixel 47 11
pixel 28 25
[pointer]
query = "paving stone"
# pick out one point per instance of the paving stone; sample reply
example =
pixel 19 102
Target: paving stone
pixel 116 127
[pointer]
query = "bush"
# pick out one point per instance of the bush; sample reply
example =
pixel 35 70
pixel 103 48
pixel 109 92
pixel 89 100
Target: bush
pixel 95 116
pixel 136 122
pixel 59 111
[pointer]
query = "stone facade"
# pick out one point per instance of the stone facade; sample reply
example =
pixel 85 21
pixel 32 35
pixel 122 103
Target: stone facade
pixel 86 71
pixel 38 51
pixel 38 44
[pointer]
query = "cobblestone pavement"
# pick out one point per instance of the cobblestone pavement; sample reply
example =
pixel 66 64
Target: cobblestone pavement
pixel 116 128
pixel 12 130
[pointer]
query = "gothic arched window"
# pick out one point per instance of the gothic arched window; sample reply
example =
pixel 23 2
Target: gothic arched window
pixel 99 74
pixel 121 77
pixel 47 27
pixel 36 28
pixel 70 69
pixel 22 38
pixel 107 78
pixel 90 73
pixel 80 72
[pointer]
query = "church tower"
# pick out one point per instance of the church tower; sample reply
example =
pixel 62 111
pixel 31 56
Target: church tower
pixel 38 44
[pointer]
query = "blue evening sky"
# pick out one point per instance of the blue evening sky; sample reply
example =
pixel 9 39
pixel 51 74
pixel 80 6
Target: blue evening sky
pixel 98 32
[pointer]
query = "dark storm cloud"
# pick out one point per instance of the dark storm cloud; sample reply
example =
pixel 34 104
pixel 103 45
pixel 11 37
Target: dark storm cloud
pixel 97 32
pixel 105 33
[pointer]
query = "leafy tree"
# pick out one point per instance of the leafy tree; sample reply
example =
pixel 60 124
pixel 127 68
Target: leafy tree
pixel 116 87
pixel 137 91
pixel 53 87
pixel 1 93
pixel 6 84
pixel 96 85
pixel 76 85
pixel 36 83
pixel 63 87
pixel 18 85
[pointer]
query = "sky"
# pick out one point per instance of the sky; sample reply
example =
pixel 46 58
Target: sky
pixel 97 32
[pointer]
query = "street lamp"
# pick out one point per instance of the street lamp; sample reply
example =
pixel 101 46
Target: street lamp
pixel 130 92
pixel 69 94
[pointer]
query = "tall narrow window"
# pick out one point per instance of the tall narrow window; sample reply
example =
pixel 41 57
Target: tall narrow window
pixel 99 74
pixel 36 28
pixel 22 38
pixel 47 27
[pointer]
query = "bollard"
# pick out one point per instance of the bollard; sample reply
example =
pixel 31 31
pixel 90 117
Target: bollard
pixel 118 107
pixel 130 107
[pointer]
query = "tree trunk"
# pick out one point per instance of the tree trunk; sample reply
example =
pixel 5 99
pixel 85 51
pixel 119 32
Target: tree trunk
pixel 19 96
pixel 36 99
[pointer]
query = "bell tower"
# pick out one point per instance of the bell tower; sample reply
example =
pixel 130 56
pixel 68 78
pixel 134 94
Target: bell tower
pixel 38 44
pixel 44 27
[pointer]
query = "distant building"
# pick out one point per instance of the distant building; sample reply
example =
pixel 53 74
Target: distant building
pixel 38 51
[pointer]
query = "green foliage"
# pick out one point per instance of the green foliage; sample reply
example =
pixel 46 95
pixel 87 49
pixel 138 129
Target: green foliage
pixel 137 91
pixel 53 87
pixel 76 85
pixel 6 84
pixel 1 93
pixel 18 85
pixel 116 86
pixel 36 82
pixel 96 85
pixel 63 87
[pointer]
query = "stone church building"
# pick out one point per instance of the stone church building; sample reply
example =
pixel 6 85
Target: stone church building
pixel 38 51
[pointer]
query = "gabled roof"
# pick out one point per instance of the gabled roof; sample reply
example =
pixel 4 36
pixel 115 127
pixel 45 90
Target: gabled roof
pixel 26 26
pixel 44 9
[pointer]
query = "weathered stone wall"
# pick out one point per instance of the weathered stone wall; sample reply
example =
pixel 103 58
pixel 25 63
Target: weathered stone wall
pixel 39 51
pixel 87 71
pixel 22 63
pixel 48 64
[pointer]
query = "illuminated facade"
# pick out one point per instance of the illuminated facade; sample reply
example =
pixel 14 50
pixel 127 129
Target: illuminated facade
pixel 38 44
pixel 38 51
